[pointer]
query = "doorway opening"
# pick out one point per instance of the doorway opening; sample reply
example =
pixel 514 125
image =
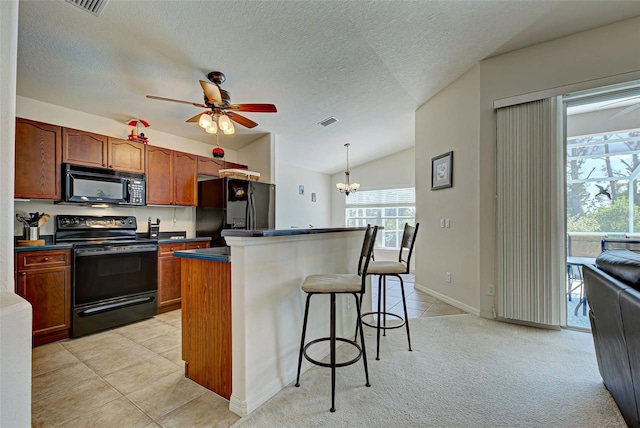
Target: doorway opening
pixel 602 181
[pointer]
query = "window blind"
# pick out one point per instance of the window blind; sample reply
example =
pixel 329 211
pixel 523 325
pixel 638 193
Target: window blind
pixel 404 196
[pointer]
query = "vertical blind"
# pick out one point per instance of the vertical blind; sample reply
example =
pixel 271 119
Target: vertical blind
pixel 530 211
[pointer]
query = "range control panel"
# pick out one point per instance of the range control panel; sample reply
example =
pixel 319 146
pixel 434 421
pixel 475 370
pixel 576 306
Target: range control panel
pixel 95 222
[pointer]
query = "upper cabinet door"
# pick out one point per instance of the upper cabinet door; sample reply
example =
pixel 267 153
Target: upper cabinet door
pixel 37 160
pixel 125 155
pixel 159 176
pixel 84 148
pixel 185 178
pixel 209 166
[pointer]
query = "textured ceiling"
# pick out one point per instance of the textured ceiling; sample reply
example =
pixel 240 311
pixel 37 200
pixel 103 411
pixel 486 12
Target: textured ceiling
pixel 370 64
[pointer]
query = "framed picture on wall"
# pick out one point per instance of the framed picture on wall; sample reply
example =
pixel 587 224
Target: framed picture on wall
pixel 442 171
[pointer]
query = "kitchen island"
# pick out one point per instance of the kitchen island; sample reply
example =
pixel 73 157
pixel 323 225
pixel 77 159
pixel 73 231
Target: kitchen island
pixel 256 286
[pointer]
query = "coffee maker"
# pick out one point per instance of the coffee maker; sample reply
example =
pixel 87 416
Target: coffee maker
pixel 154 228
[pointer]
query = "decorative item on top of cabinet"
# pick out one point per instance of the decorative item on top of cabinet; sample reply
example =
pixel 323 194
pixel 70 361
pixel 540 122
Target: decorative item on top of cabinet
pixel 169 294
pixel 37 160
pixel 44 280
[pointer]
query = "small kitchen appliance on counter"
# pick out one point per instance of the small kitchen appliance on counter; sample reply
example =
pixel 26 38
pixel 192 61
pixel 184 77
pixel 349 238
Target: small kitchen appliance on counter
pixel 154 229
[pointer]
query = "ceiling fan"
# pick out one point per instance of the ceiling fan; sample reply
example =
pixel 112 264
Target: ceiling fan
pixel 218 101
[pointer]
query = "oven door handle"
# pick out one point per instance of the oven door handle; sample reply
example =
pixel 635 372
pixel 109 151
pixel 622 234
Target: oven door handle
pixel 116 305
pixel 90 253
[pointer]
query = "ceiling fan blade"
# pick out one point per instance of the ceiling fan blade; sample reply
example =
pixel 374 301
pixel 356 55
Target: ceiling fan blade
pixel 196 118
pixel 212 92
pixel 254 108
pixel 626 110
pixel 244 121
pixel 153 97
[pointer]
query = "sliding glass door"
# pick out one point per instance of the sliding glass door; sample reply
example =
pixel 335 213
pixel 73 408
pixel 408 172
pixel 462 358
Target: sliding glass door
pixel 603 183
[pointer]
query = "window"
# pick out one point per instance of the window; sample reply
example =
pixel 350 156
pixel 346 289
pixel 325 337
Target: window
pixel 390 208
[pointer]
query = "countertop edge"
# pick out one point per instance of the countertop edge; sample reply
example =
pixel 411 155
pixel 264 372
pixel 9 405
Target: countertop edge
pixel 203 254
pixel 286 232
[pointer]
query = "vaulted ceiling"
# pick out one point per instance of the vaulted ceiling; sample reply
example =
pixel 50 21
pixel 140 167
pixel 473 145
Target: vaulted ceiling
pixel 370 64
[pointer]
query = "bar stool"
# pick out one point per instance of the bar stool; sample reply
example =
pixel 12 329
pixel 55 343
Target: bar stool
pixel 387 268
pixel 333 284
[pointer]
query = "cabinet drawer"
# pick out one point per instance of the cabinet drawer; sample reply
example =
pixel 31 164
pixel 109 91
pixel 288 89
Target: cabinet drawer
pixel 196 245
pixel 168 249
pixel 43 259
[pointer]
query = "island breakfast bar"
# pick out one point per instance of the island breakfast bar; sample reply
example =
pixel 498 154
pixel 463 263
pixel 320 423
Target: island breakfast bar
pixel 242 310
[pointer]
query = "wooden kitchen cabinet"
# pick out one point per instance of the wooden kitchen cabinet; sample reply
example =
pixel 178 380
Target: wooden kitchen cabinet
pixel 126 155
pixel 37 160
pixel 185 178
pixel 87 148
pixel 44 280
pixel 211 166
pixel 159 176
pixel 84 148
pixel 169 274
pixel 171 177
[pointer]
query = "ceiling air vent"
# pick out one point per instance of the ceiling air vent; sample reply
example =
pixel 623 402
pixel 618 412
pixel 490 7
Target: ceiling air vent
pixel 328 121
pixel 94 7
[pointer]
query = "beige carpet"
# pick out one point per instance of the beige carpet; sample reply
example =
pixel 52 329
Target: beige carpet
pixel 464 372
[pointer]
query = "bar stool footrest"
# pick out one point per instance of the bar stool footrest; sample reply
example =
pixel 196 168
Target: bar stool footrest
pixel 386 327
pixel 338 339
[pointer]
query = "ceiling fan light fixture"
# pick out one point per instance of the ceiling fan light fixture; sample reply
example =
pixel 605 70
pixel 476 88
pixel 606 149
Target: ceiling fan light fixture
pixel 230 130
pixel 213 129
pixel 205 121
pixel 224 123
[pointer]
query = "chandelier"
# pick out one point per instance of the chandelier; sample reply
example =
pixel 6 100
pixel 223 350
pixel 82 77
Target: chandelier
pixel 207 121
pixel 347 188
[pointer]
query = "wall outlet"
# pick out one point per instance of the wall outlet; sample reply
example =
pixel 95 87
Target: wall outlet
pixel 490 290
pixel 441 222
pixel 447 223
pixel 348 302
pixel 448 276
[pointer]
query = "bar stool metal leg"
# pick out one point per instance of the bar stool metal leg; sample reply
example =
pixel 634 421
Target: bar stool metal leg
pixel 332 326
pixel 359 325
pixel 304 332
pixel 406 316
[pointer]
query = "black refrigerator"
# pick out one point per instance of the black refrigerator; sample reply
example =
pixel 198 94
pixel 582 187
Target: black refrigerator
pixel 231 203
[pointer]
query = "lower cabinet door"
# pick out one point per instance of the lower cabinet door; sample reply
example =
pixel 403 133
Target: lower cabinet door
pixel 49 292
pixel 168 283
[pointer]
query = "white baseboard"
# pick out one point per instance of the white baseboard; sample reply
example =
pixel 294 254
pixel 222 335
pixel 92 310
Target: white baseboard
pixel 447 299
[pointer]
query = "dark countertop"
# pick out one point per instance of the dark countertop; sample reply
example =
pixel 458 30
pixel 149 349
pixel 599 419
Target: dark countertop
pixel 173 241
pixel 285 232
pixel 215 254
pixel 44 247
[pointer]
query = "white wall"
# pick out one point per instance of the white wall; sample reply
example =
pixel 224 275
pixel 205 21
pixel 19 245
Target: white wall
pixel 260 157
pixel 15 326
pixel 393 171
pixel 581 61
pixel 449 121
pixel 295 210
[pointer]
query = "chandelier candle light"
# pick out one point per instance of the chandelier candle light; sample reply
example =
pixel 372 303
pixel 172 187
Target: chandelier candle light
pixel 347 188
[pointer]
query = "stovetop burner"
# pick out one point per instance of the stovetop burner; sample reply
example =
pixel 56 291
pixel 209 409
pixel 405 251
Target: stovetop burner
pixel 98 230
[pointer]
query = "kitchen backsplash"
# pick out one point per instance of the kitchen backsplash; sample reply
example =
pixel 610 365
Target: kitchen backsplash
pixel 184 216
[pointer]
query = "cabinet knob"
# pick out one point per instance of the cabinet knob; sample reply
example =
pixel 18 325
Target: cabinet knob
pixel 110 166
pixel 45 259
pixel 104 164
pixel 171 249
pixel 23 274
pixel 197 247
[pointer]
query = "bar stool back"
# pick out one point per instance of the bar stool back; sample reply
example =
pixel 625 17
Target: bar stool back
pixel 389 268
pixel 332 284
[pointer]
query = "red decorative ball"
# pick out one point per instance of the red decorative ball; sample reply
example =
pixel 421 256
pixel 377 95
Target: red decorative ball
pixel 218 152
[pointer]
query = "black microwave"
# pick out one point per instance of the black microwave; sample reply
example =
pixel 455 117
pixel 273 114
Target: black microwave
pixel 89 185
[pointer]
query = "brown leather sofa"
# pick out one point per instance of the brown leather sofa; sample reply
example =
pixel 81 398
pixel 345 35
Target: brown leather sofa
pixel 612 292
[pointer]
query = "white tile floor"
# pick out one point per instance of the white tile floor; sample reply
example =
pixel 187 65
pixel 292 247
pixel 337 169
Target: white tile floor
pixel 133 376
